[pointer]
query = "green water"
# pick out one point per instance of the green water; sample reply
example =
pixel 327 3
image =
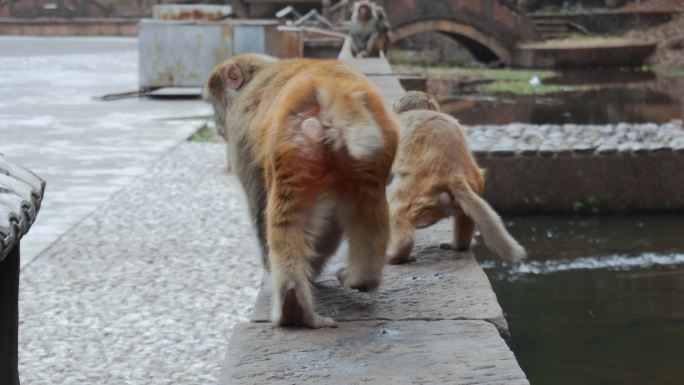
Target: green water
pixel 600 301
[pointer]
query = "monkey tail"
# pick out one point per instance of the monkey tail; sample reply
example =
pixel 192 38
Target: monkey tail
pixel 346 107
pixel 490 225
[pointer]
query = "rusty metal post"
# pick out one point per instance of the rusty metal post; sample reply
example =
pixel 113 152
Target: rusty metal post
pixel 325 9
pixel 9 318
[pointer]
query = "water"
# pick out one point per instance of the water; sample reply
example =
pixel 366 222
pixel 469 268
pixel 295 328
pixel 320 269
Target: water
pixel 599 301
pixel 604 97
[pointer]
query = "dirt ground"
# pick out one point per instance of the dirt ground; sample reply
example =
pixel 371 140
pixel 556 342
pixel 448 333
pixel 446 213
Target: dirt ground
pixel 654 5
pixel 670 38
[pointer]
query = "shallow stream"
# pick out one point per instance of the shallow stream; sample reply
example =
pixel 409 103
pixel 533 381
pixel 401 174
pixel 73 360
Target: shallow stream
pixel 599 301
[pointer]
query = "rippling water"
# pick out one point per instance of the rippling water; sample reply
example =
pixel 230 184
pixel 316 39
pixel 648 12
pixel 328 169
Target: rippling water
pixel 599 301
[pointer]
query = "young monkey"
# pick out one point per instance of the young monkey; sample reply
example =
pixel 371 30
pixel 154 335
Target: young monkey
pixel 312 145
pixel 434 177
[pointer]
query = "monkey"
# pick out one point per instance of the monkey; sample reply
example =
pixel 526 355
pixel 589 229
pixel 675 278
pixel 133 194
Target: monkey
pixel 313 145
pixel 369 29
pixel 221 87
pixel 414 100
pixel 434 177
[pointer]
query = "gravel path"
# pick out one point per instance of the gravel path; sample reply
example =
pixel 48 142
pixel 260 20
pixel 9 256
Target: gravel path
pixel 147 289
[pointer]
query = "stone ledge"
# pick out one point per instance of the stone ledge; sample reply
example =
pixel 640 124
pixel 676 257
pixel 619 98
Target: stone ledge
pixel 585 183
pixel 439 285
pixel 371 352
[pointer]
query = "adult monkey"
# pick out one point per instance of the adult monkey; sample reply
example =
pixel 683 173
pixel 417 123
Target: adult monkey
pixel 369 29
pixel 312 145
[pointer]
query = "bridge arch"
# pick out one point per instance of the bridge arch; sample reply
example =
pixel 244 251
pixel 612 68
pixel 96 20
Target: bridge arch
pixel 489 29
pixel 482 46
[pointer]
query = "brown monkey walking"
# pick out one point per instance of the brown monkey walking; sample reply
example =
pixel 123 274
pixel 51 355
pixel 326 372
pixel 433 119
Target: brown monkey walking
pixel 226 81
pixel 313 146
pixel 435 177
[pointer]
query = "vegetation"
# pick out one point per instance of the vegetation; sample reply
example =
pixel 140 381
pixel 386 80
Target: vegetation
pixel 487 80
pixel 666 71
pixel 204 134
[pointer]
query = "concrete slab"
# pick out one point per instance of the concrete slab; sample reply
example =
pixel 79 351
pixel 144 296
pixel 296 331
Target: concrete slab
pixel 440 285
pixel 85 149
pixel 371 352
pixel 380 72
pixel 371 66
pixel 390 86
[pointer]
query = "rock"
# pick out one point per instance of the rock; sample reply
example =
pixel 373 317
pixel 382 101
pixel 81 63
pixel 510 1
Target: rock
pixel 503 148
pixel 547 149
pixel 659 148
pixel 607 148
pixel 583 148
pixel 678 144
pixel 625 148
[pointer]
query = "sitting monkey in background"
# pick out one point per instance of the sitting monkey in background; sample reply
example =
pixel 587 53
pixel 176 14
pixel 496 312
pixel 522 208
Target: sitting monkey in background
pixel 435 177
pixel 369 29
pixel 227 80
pixel 312 144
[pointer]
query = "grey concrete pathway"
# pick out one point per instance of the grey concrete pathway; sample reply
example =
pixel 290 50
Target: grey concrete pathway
pixel 85 149
pixel 147 289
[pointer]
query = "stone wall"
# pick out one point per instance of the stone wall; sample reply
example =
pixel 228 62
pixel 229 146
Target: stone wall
pixel 573 168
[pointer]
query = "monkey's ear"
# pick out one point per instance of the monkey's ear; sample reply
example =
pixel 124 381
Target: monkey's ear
pixel 433 105
pixel 233 77
pixel 395 106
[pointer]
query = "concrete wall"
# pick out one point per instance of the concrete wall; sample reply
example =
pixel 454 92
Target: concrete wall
pixel 69 27
pixel 568 182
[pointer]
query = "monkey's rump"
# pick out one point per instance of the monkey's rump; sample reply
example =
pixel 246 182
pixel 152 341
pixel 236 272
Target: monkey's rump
pixel 311 127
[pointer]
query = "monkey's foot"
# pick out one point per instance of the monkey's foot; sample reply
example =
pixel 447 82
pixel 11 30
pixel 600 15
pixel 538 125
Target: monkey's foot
pixel 313 322
pixel 451 246
pixel 363 284
pixel 401 252
pixel 294 314
pixel 400 259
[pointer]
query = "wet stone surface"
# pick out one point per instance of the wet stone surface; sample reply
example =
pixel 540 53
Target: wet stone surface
pixel 550 140
pixel 372 352
pixel 147 289
pixel 439 285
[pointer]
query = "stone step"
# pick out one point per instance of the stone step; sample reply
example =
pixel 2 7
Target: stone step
pixel 371 352
pixel 439 285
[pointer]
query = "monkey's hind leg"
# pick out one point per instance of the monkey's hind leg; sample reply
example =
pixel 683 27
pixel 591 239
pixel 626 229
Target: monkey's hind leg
pixel 367 227
pixel 464 228
pixel 290 253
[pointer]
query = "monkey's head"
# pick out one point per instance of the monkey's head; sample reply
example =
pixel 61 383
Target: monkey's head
pixel 415 100
pixel 228 78
pixel 363 11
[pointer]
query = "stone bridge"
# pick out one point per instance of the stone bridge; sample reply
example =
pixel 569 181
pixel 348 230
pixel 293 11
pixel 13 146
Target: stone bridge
pixel 489 29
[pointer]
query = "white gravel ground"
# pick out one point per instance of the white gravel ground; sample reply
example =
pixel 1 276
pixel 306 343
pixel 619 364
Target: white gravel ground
pixel 147 289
